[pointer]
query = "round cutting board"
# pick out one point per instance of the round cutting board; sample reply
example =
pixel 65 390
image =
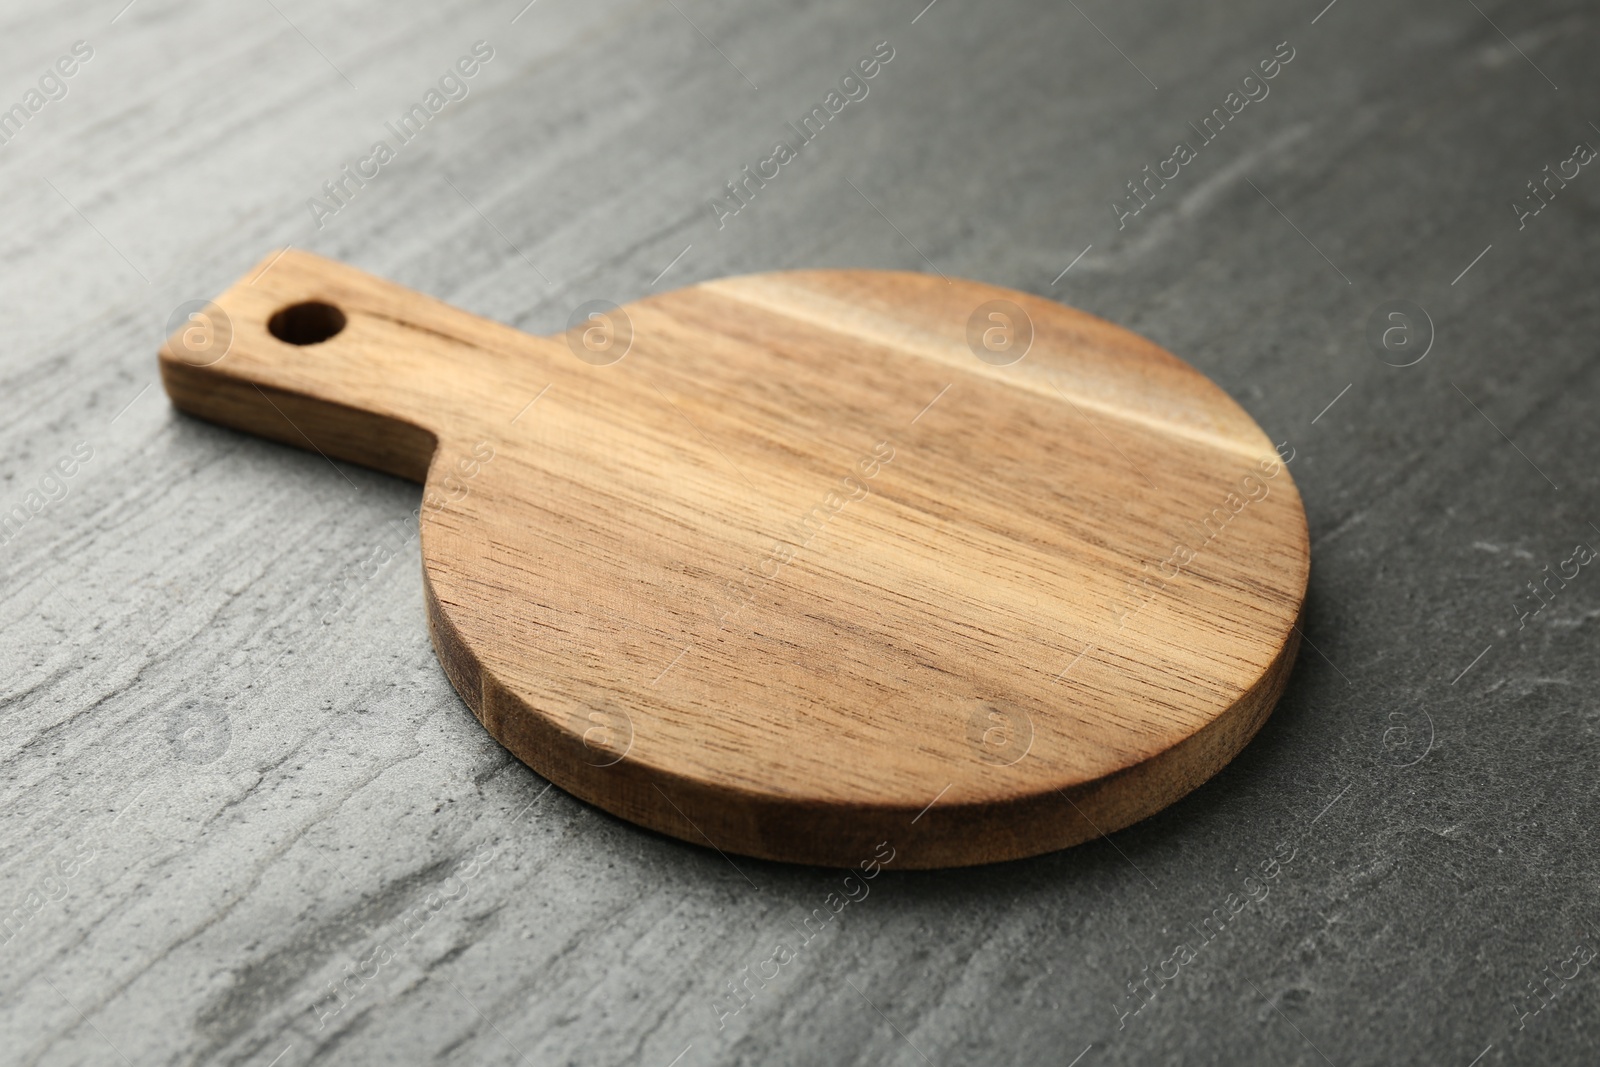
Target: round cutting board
pixel 795 565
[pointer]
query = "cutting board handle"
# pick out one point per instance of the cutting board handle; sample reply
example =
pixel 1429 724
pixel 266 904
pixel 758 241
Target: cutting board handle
pixel 326 357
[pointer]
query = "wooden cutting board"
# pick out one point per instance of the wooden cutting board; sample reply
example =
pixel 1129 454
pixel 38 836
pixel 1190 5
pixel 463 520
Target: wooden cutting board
pixel 796 564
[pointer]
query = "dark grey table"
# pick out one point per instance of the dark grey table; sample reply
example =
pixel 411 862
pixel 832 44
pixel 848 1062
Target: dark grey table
pixel 248 821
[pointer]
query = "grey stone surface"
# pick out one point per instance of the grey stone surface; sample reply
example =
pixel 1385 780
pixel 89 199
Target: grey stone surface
pixel 221 794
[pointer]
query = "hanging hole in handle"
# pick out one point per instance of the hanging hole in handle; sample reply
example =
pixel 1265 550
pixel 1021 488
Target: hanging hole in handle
pixel 309 323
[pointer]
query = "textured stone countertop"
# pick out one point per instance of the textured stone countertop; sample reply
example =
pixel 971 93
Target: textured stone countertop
pixel 223 797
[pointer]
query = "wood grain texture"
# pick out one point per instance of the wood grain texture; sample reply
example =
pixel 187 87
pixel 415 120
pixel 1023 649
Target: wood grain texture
pixel 782 566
